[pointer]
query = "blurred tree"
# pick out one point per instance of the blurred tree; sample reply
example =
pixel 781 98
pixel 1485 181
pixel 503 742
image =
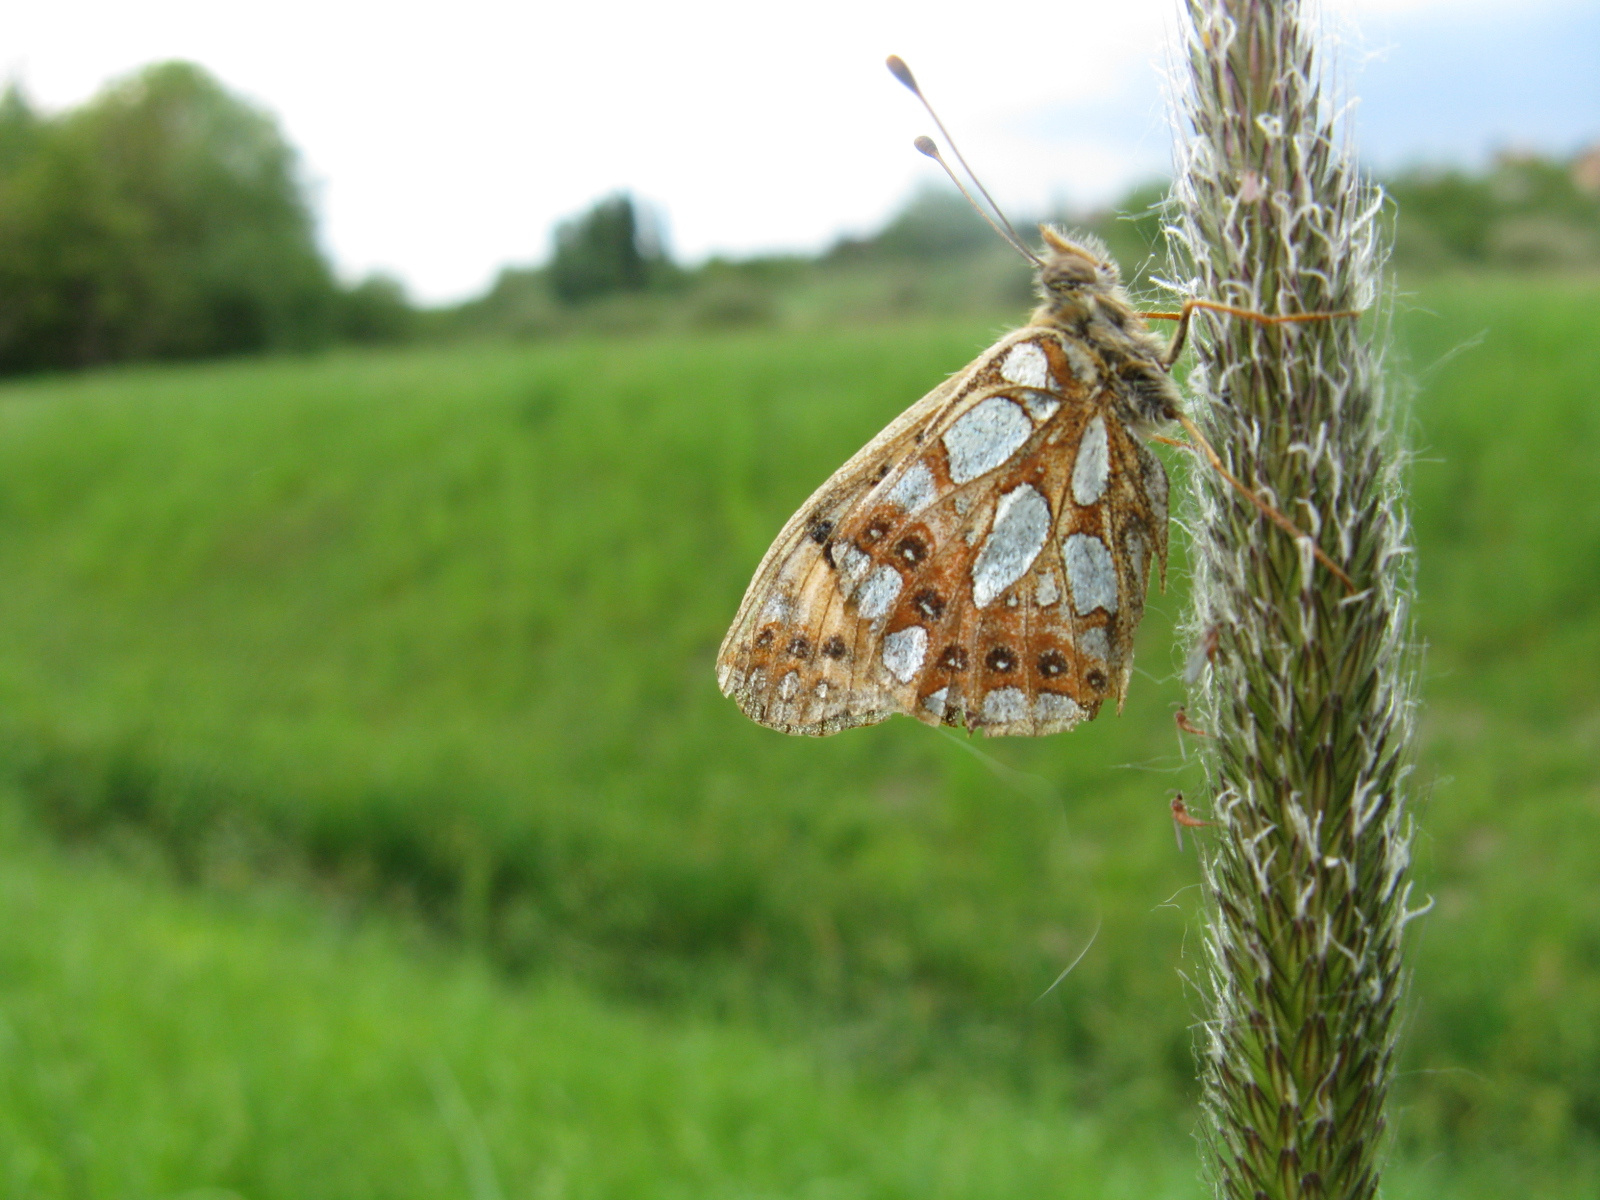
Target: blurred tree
pixel 1525 212
pixel 376 311
pixel 19 129
pixel 519 303
pixel 606 250
pixel 1444 215
pixel 936 223
pixel 164 219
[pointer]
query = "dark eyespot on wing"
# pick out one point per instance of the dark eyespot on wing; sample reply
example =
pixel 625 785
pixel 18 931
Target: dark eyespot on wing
pixel 1001 660
pixel 928 603
pixel 911 550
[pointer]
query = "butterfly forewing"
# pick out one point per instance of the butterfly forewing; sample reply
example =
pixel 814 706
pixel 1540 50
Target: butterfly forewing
pixel 982 562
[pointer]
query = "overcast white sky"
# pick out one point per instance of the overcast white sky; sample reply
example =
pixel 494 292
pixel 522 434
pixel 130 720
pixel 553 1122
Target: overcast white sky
pixel 444 141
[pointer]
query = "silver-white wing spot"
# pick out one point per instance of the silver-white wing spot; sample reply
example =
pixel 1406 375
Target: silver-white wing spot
pixel 985 437
pixel 1021 525
pixel 915 489
pixel 1048 590
pixel 778 608
pixel 1041 406
pixel 1004 705
pixel 1027 366
pixel 852 562
pixel 878 593
pixel 1090 472
pixel 904 651
pixel 1053 707
pixel 934 701
pixel 1090 574
pixel 789 685
pixel 1134 545
pixel 1095 644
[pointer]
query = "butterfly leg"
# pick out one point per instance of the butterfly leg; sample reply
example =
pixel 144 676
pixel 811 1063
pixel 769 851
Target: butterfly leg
pixel 1272 514
pixel 1175 347
pixel 1181 335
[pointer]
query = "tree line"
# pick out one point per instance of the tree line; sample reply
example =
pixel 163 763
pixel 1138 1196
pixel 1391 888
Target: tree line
pixel 164 219
pixel 167 219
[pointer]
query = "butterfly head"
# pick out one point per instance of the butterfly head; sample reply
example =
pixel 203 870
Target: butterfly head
pixel 1075 272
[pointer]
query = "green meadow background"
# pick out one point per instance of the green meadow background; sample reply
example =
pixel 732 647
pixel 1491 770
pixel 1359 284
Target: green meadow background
pixel 371 826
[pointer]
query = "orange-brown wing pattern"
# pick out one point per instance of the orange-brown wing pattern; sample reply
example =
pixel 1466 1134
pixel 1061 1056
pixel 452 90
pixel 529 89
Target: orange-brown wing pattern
pixel 1038 652
pixel 982 562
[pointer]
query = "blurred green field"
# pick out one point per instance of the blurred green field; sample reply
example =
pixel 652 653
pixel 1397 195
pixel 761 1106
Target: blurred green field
pixel 428 635
pixel 249 1044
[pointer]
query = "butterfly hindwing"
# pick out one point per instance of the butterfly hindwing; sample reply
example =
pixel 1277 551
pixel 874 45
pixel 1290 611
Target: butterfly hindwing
pixel 969 566
pixel 1038 651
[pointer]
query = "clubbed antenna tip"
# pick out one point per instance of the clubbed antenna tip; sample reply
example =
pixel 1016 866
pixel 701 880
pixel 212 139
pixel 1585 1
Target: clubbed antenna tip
pixel 897 68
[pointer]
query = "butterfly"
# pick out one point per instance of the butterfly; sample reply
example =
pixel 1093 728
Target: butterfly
pixel 983 561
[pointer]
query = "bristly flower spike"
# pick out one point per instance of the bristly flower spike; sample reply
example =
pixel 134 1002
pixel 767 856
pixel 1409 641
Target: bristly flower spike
pixel 1305 687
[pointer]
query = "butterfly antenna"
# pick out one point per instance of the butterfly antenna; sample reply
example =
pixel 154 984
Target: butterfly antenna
pixel 927 146
pixel 898 68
